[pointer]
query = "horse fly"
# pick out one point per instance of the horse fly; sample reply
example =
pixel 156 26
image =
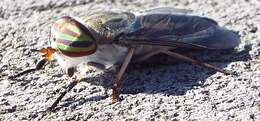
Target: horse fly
pixel 117 37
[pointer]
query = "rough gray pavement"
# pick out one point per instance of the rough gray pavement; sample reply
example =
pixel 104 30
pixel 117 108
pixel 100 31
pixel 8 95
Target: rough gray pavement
pixel 173 92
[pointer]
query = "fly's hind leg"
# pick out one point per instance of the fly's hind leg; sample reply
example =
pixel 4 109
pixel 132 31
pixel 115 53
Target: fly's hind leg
pixel 117 82
pixel 196 62
pixel 147 56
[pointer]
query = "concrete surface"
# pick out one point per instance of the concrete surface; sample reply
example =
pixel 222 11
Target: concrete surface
pixel 162 92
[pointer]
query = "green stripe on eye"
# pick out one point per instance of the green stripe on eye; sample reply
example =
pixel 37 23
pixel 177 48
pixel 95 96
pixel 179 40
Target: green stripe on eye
pixel 75 49
pixel 82 37
pixel 60 35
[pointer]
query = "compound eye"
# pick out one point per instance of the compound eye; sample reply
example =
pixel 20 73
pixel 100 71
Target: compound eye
pixel 70 71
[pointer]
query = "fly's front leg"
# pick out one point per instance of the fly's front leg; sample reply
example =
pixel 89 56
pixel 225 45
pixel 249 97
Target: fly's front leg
pixel 76 79
pixel 39 66
pixel 117 82
pixel 47 54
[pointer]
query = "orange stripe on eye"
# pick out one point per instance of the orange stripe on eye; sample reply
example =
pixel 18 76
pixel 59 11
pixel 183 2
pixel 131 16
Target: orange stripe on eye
pixel 66 27
pixel 83 28
pixel 56 26
pixel 69 32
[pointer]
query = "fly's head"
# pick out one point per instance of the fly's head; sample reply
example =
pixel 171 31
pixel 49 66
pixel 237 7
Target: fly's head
pixel 72 40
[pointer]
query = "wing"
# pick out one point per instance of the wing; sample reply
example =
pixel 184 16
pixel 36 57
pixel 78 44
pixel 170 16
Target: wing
pixel 175 30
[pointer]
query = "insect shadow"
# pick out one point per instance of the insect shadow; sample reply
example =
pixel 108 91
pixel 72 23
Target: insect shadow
pixel 162 74
pixel 169 76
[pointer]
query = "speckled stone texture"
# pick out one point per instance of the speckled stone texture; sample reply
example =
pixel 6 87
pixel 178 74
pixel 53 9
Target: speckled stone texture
pixel 177 91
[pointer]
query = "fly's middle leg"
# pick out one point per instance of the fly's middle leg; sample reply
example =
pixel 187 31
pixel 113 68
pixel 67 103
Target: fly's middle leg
pixel 117 82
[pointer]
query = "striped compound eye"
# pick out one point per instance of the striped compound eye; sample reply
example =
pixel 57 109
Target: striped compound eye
pixel 72 38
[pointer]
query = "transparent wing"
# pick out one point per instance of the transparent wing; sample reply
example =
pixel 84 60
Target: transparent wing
pixel 177 30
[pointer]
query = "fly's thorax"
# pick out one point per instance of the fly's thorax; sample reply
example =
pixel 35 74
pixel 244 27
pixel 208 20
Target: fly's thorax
pixel 108 55
pixel 108 25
